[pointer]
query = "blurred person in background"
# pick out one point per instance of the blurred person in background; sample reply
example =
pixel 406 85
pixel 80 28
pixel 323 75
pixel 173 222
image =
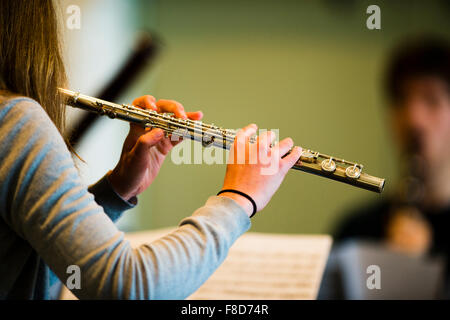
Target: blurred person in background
pixel 416 219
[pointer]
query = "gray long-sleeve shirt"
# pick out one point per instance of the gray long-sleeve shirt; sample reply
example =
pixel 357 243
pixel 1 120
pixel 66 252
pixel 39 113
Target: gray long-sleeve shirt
pixel 49 219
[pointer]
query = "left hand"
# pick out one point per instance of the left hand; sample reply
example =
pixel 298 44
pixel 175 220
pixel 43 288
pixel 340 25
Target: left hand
pixel 145 149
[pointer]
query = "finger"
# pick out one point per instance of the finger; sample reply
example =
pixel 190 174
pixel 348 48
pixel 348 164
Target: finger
pixel 135 132
pixel 248 131
pixel 138 130
pixel 146 102
pixel 197 115
pixel 164 146
pixel 265 140
pixel 175 139
pixel 174 143
pixel 284 146
pixel 171 106
pixel 240 146
pixel 148 140
pixel 292 158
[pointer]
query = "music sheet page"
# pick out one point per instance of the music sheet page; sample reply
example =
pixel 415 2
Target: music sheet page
pixel 263 266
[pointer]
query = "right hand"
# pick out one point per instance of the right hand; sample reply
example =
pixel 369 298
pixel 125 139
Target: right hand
pixel 263 170
pixel 145 149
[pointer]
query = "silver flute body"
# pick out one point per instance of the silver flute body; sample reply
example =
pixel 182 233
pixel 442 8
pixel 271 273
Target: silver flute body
pixel 210 135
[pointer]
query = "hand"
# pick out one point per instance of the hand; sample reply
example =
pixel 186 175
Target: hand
pixel 145 149
pixel 257 169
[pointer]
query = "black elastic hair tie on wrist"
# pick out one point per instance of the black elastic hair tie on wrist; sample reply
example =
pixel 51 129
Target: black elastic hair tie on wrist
pixel 244 195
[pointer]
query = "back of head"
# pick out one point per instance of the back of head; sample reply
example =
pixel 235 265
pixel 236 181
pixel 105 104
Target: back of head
pixel 30 57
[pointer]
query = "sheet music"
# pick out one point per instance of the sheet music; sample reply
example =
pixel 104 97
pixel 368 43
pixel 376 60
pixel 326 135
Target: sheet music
pixel 269 266
pixel 260 266
pixel 263 266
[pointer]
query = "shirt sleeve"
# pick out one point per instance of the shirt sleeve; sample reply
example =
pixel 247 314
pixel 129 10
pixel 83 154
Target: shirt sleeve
pixel 44 200
pixel 105 196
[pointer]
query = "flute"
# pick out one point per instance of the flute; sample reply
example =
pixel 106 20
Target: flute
pixel 210 135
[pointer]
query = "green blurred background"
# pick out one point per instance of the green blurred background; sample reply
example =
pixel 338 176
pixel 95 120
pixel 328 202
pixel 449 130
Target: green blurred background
pixel 308 68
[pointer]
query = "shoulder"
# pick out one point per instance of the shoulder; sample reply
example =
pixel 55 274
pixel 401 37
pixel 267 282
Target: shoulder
pixel 27 130
pixel 364 221
pixel 24 116
pixel 11 105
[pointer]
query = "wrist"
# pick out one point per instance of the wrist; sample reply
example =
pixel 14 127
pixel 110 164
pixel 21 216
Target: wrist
pixel 115 182
pixel 240 200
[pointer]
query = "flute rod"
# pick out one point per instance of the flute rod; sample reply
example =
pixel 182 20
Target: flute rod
pixel 210 135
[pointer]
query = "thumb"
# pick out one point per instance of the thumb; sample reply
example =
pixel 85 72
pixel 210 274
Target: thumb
pixel 291 159
pixel 148 140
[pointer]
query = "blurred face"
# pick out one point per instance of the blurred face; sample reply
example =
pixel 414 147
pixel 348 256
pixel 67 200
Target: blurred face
pixel 421 119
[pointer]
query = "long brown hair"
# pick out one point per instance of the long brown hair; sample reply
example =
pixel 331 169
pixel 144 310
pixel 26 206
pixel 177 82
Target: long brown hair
pixel 31 63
